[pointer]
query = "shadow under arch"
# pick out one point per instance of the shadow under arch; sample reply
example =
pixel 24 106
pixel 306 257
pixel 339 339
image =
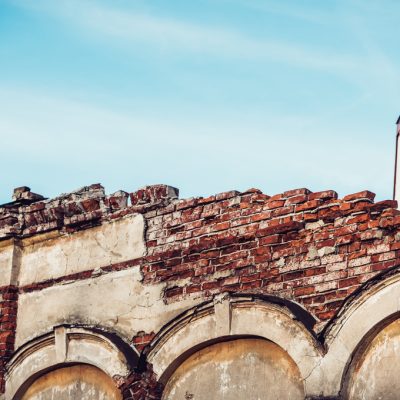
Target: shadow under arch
pixel 230 317
pixel 360 351
pixel 362 316
pixel 365 290
pixel 68 346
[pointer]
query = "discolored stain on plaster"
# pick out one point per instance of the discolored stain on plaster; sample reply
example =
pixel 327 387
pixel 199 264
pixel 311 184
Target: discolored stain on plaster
pixel 82 382
pixel 378 365
pixel 238 369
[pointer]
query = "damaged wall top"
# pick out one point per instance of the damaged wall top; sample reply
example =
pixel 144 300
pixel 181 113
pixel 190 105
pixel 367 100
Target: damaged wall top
pixel 129 263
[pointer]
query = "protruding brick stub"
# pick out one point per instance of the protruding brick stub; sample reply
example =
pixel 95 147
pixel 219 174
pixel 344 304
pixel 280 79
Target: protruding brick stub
pixel 364 195
pixel 19 191
pixel 117 200
pixel 24 193
pixel 154 194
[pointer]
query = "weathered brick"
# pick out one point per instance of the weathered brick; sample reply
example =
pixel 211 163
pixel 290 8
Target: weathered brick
pixel 312 248
pixel 360 195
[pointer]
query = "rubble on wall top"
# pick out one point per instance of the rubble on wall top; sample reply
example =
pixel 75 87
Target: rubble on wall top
pixel 30 213
pixel 22 195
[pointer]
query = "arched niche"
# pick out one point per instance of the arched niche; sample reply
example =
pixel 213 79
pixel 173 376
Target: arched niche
pixel 252 368
pixel 66 347
pixel 77 381
pixel 360 319
pixel 375 367
pixel 229 327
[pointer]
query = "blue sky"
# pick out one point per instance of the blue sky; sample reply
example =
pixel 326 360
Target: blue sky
pixel 204 95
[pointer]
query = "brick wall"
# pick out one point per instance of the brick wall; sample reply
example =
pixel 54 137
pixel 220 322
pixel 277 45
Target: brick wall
pixel 309 247
pixel 312 248
pixel 8 315
pixel 142 385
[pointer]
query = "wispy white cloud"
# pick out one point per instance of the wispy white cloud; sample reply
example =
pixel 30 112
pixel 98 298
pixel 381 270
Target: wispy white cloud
pixel 291 9
pixel 93 143
pixel 369 69
pixel 198 154
pixel 379 74
pixel 127 26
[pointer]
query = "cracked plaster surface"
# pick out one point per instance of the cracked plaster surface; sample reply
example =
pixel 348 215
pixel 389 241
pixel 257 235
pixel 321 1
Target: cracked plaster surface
pixel 117 301
pixel 108 244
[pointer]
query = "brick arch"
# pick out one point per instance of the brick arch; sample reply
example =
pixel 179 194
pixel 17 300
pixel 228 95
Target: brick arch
pixel 233 317
pixel 66 346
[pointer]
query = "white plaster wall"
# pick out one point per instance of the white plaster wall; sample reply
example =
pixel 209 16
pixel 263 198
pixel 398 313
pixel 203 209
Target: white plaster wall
pixel 6 262
pixel 266 321
pixel 241 369
pixel 116 300
pixel 81 382
pixel 365 313
pixel 375 375
pixel 110 243
pixel 64 345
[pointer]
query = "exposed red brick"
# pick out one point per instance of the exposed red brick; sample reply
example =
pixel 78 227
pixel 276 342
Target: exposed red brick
pixel 360 195
pixel 309 205
pixel 153 194
pixel 8 321
pixel 272 204
pixel 324 195
pixel 231 242
pixel 141 385
pixel 296 192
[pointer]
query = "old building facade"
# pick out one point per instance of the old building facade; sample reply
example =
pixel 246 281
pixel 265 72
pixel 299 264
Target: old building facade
pixel 236 296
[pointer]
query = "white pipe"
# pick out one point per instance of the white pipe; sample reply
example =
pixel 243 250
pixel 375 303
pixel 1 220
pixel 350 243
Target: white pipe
pixel 396 186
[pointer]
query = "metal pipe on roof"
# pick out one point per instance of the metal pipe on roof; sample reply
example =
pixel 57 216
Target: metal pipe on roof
pixel 396 195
